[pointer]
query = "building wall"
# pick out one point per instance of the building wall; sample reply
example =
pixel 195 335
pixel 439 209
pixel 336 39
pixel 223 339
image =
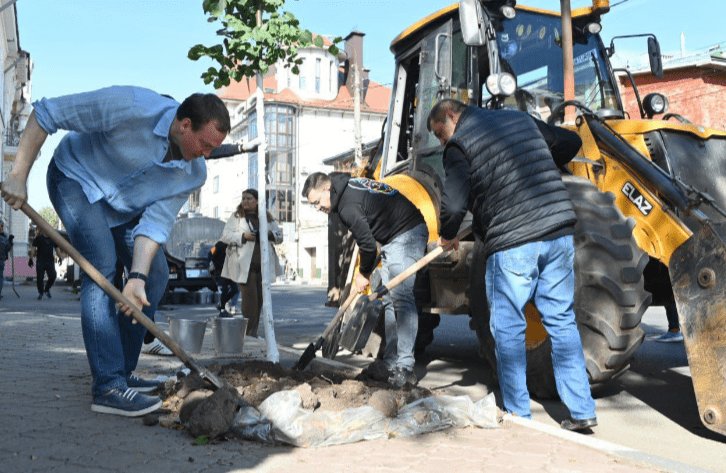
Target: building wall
pixel 323 133
pixel 15 93
pixel 697 93
pixel 319 67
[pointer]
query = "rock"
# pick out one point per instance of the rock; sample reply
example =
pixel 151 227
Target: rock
pixel 385 402
pixel 214 415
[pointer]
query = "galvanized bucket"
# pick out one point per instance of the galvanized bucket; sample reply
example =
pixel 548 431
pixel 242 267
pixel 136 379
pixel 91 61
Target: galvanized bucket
pixel 188 333
pixel 229 334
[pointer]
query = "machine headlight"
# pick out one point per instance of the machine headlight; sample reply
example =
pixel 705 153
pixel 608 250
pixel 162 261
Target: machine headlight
pixel 654 104
pixel 493 84
pixel 593 28
pixel 508 12
pixel 507 84
pixel 501 84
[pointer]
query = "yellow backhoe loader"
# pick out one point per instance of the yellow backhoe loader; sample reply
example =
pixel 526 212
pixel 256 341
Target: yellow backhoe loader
pixel 649 193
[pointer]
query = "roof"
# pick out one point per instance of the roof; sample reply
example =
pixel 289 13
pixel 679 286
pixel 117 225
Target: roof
pixel 376 100
pixel 713 57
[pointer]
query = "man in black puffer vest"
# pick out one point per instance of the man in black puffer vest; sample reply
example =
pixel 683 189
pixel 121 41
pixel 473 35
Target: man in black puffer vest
pixel 377 213
pixel 502 166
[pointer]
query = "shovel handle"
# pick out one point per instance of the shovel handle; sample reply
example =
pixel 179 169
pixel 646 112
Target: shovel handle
pixel 411 270
pixel 111 290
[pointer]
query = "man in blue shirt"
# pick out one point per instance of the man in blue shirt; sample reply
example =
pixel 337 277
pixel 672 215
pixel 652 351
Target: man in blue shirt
pixel 117 181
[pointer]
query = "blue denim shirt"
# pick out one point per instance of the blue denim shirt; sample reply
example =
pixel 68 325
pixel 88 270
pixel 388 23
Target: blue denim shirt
pixel 117 141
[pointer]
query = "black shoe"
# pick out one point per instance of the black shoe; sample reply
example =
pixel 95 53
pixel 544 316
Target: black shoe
pixel 47 294
pixel 224 314
pixel 376 371
pixel 40 296
pixel 577 425
pixel 401 378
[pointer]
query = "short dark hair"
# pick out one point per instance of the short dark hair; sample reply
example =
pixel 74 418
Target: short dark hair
pixel 202 109
pixel 438 112
pixel 315 180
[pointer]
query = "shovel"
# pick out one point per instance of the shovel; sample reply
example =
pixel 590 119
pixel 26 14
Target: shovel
pixel 381 291
pixel 111 290
pixel 309 352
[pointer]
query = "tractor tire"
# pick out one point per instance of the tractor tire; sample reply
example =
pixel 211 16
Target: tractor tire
pixel 610 298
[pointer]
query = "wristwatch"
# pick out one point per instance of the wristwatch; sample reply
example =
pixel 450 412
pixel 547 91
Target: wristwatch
pixel 135 275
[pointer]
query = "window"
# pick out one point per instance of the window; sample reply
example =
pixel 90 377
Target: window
pixel 215 184
pixel 332 80
pixel 317 75
pixel 215 212
pixel 301 84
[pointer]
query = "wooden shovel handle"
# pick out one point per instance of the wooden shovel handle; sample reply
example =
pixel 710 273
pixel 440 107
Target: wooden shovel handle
pixel 111 290
pixel 411 270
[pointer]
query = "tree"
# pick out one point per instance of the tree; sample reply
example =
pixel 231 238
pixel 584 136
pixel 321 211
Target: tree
pixel 49 215
pixel 256 34
pixel 249 48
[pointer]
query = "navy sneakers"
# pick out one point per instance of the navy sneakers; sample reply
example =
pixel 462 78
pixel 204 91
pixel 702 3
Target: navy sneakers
pixel 128 403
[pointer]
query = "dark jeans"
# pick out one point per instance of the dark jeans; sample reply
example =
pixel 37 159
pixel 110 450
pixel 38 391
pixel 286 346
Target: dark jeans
pixel 672 315
pixel 228 289
pixel 112 342
pixel 41 269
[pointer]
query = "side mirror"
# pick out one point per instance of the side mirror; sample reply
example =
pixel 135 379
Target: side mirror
pixel 472 22
pixel 654 57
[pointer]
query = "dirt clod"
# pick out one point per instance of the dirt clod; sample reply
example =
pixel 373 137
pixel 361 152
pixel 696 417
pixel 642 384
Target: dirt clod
pixel 213 416
pixel 384 402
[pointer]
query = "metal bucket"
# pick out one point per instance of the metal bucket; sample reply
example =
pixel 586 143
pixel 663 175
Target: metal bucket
pixel 188 333
pixel 229 334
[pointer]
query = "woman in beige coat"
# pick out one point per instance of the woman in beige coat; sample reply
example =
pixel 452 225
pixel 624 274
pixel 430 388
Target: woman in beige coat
pixel 243 261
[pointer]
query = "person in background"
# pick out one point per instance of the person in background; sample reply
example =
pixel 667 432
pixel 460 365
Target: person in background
pixel 377 213
pixel 228 288
pixel 501 165
pixel 243 262
pixel 117 181
pixel 673 335
pixel 43 250
pixel 6 246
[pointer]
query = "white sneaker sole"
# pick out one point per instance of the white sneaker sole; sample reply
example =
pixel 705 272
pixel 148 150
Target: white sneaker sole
pixel 120 412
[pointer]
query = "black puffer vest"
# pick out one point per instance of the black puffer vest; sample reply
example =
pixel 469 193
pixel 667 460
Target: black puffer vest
pixel 516 194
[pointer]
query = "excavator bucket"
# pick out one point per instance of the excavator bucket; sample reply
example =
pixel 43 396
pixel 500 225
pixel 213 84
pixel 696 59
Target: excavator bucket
pixel 698 275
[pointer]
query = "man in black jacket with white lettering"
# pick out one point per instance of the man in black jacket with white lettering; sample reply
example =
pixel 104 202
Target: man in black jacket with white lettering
pixel 502 166
pixel 377 213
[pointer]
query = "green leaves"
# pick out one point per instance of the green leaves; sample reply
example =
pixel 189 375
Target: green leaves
pixel 246 48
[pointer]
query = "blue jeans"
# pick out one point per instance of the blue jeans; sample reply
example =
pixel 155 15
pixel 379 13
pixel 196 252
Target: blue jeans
pixel 112 342
pixel 399 305
pixel 542 272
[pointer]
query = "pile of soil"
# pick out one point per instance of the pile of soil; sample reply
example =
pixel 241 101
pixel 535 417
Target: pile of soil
pixel 256 380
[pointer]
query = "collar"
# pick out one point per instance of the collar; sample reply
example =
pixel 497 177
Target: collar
pixel 162 126
pixel 338 184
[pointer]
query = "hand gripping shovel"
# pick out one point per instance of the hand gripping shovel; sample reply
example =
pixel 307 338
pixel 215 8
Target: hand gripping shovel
pixel 111 290
pixel 381 291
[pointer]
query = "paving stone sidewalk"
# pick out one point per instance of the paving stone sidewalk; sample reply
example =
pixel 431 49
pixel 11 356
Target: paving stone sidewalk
pixel 47 425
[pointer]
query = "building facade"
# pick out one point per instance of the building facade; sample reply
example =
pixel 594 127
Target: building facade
pixel 309 117
pixel 694 83
pixel 15 91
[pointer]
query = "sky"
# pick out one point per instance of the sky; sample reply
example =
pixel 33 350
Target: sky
pixel 80 45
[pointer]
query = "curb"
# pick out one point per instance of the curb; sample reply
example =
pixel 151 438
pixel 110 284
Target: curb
pixel 604 446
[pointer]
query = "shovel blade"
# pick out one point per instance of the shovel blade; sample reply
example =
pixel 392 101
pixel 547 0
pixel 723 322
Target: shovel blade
pixel 698 276
pixel 360 325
